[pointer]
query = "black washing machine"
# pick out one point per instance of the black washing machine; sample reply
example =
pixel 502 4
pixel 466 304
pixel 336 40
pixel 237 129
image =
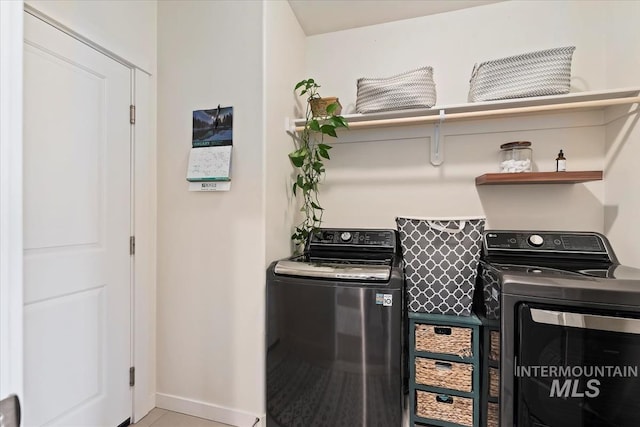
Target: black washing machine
pixel 570 329
pixel 336 332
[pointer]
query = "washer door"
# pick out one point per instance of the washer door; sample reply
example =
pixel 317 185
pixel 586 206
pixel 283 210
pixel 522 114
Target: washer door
pixel 576 368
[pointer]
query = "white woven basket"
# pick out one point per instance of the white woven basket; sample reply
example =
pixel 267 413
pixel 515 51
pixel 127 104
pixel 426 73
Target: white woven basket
pixel 413 89
pixel 545 72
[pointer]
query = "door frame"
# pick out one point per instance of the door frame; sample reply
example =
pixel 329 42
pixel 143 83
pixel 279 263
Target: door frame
pixel 11 301
pixel 143 214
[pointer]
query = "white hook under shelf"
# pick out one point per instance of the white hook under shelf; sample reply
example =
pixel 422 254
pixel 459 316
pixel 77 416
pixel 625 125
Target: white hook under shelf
pixel 437 148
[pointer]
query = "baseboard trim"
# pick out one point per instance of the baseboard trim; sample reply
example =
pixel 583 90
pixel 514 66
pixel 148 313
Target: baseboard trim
pixel 142 407
pixel 207 410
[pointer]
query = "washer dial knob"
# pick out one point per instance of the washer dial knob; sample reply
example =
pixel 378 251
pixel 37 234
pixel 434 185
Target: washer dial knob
pixel 535 240
pixel 345 236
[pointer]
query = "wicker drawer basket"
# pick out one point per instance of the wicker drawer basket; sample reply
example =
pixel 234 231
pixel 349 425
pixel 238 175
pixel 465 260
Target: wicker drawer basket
pixel 493 415
pixel 444 407
pixel 444 339
pixel 438 373
pixel 494 382
pixel 494 349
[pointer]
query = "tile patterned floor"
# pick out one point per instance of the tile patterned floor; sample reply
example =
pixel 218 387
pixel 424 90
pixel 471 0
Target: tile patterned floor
pixel 163 418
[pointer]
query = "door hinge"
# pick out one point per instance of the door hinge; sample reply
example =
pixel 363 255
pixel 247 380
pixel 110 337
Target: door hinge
pixel 132 245
pixel 132 376
pixel 132 114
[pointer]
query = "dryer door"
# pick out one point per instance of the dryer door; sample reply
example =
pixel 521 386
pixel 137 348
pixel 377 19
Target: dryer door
pixel 576 368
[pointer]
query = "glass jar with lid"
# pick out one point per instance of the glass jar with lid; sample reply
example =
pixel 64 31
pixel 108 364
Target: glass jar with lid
pixel 516 156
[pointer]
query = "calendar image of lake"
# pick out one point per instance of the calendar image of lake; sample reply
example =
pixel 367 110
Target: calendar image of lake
pixel 213 127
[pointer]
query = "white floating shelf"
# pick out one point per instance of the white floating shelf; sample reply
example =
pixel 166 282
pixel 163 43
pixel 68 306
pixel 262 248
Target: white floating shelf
pixel 491 109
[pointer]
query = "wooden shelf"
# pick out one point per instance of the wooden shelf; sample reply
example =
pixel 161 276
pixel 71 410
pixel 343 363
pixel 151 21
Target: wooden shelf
pixel 539 178
pixel 491 109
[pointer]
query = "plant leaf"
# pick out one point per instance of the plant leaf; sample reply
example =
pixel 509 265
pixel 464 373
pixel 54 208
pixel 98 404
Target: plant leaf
pixel 300 181
pixel 300 84
pixel 295 186
pixel 324 153
pixel 296 159
pixel 316 206
pixel 324 147
pixel 338 122
pixel 314 125
pixel 331 108
pixel 329 130
pixel 296 153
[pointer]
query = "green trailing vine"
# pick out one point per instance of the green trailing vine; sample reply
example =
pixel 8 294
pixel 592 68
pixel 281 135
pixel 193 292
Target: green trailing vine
pixel 308 159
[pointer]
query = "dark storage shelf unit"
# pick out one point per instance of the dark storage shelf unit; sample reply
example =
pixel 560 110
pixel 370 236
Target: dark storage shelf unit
pixel 470 322
pixel 488 326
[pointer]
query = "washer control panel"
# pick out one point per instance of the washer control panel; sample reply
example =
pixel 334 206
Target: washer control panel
pixel 354 238
pixel 545 241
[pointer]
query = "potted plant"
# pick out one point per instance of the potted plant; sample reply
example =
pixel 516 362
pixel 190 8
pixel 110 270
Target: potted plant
pixel 309 155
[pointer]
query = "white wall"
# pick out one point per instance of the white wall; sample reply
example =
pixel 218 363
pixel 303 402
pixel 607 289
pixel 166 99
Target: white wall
pixel 453 42
pixel 211 246
pixel 622 201
pixel 284 67
pixel 370 183
pixel 127 28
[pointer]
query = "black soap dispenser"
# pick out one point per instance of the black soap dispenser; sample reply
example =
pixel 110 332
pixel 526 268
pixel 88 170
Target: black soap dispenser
pixel 561 162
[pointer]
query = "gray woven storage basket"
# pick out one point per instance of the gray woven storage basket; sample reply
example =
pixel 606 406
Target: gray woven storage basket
pixel 413 89
pixel 545 72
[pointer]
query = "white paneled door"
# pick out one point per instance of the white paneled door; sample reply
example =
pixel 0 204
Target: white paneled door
pixel 77 222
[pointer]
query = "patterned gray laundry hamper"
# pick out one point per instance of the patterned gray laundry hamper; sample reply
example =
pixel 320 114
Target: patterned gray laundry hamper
pixel 441 262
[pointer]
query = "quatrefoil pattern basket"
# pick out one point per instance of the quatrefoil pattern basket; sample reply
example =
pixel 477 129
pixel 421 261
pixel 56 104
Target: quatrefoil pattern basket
pixel 491 291
pixel 441 261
